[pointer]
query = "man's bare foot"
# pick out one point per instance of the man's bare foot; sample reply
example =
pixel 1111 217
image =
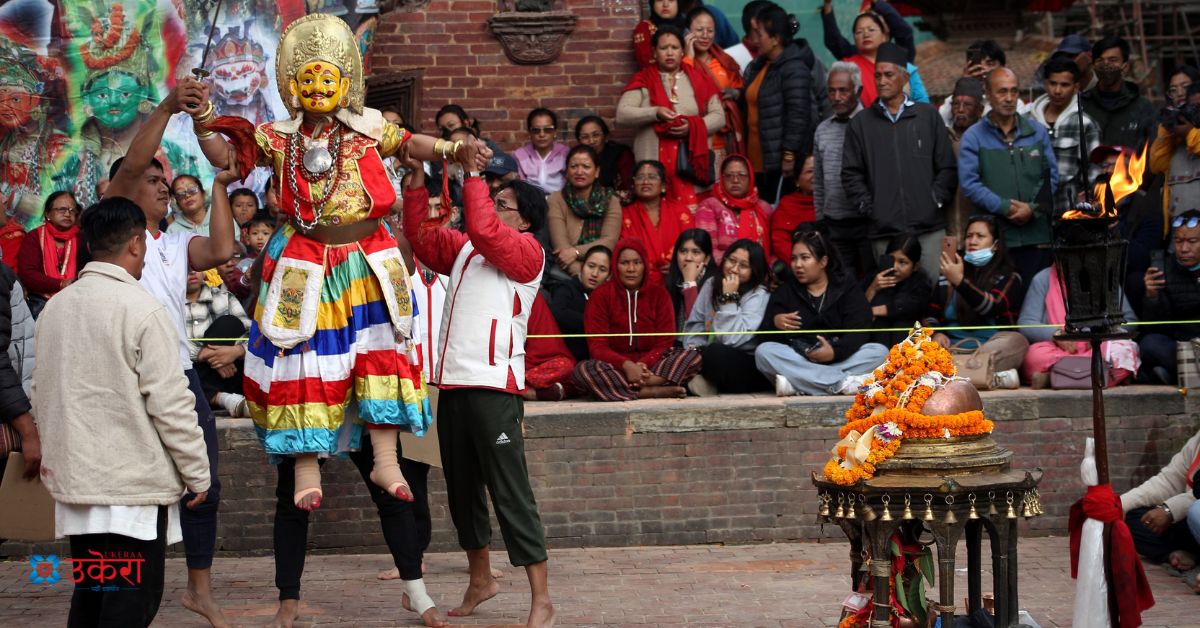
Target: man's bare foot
pixel 1181 560
pixel 654 380
pixel 205 606
pixel 475 595
pixel 541 615
pixel 286 616
pixel 431 617
pixel 662 392
pixel 497 574
pixel 389 574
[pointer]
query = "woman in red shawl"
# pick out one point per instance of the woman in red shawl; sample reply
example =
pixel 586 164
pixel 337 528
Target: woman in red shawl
pixel 704 53
pixel 653 218
pixel 675 107
pixel 51 255
pixel 734 210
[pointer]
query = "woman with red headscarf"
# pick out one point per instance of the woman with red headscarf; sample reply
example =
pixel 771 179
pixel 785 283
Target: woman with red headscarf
pixel 675 107
pixel 654 219
pixel 734 211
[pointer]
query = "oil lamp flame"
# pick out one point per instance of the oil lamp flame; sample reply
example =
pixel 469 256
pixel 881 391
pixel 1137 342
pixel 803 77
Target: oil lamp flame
pixel 1126 178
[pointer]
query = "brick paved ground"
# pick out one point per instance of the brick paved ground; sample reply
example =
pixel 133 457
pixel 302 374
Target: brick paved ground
pixel 792 584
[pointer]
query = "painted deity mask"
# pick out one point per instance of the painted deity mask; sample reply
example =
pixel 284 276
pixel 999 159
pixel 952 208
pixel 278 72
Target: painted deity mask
pixel 113 99
pixel 320 86
pixel 237 83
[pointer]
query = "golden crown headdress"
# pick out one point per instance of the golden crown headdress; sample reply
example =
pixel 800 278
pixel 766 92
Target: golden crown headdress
pixel 319 37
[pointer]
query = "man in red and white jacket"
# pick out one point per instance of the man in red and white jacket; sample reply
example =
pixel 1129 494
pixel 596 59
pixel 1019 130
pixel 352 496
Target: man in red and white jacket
pixel 495 269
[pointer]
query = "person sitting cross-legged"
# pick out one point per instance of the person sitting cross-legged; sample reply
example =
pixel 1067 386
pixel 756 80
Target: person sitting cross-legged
pixel 626 365
pixel 1164 516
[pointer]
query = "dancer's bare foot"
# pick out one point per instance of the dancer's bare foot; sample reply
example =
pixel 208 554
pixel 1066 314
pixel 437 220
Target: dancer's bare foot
pixel 497 574
pixel 662 392
pixel 199 599
pixel 286 616
pixel 476 594
pixel 431 617
pixel 541 615
pixel 309 500
pixel 1181 560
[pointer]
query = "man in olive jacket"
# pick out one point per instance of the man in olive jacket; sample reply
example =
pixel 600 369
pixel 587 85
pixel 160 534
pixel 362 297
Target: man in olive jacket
pixel 898 164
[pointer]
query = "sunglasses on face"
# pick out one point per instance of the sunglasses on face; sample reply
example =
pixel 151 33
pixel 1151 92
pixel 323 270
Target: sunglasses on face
pixel 186 192
pixel 538 130
pixel 1189 222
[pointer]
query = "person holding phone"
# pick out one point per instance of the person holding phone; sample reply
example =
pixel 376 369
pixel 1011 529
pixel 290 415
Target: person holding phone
pixel 899 293
pixel 1172 293
pixel 981 287
pixel 817 296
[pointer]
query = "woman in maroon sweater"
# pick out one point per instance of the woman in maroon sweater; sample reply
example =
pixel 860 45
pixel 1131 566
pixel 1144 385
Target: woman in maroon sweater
pixel 53 254
pixel 626 367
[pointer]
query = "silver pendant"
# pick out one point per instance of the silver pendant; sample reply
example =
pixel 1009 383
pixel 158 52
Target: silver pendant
pixel 317 160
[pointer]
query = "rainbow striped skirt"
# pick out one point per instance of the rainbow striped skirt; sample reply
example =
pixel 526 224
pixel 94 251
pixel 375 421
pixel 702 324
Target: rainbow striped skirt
pixel 331 345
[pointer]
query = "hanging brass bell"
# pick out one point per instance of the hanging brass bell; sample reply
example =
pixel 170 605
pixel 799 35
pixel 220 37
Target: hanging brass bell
pixel 850 514
pixel 1012 512
pixel 950 518
pixel 1037 502
pixel 887 513
pixel 908 514
pixel 992 512
pixel 972 514
pixel 841 512
pixel 824 511
pixel 869 513
pixel 1028 507
pixel 928 509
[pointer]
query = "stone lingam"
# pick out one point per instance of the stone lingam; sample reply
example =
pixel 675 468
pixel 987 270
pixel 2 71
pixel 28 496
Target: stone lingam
pixel 916 467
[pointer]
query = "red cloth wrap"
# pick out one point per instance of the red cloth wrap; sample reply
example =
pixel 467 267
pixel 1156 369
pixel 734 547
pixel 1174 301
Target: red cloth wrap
pixel 1127 581
pixel 240 133
pixel 704 88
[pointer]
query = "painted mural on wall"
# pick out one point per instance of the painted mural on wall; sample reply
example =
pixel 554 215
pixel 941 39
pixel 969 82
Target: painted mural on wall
pixel 79 77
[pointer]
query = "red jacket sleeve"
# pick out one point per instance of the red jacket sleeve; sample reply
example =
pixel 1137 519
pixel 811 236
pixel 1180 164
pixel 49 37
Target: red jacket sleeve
pixel 781 239
pixel 518 255
pixel 595 321
pixel 541 323
pixel 436 246
pixel 663 322
pixel 29 267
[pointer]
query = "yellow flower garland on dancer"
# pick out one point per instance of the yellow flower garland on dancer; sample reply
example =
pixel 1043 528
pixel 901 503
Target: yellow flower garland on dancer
pixel 888 409
pixel 334 320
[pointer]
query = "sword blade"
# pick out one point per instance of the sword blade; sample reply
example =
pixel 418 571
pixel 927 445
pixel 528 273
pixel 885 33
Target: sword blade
pixel 212 29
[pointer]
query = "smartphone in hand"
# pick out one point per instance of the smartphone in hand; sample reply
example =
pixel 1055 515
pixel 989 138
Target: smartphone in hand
pixel 950 245
pixel 1158 260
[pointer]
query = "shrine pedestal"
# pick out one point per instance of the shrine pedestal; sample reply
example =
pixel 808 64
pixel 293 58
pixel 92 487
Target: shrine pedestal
pixel 946 487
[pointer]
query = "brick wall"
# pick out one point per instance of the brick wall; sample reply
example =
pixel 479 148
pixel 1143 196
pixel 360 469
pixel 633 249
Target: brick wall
pixel 463 63
pixel 701 471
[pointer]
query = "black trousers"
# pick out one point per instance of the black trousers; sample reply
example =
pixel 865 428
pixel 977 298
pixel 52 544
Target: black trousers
pixel 227 326
pixel 479 431
pixel 732 370
pixel 852 244
pixel 199 524
pixel 116 603
pixel 1157 547
pixel 401 531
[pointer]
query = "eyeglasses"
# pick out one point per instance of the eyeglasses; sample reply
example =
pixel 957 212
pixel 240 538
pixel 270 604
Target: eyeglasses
pixel 863 32
pixel 1190 222
pixel 591 137
pixel 185 192
pixel 538 130
pixel 64 210
pixel 502 206
pixel 642 178
pixel 736 175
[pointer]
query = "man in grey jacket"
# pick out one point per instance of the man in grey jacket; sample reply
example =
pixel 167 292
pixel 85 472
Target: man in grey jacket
pixel 120 432
pixel 846 225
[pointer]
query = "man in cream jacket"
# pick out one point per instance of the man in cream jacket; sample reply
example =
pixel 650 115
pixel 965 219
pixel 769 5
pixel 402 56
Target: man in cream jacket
pixel 1163 514
pixel 120 437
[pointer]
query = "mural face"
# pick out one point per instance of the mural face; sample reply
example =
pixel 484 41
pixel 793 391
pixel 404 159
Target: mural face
pixel 113 99
pixel 237 83
pixel 16 105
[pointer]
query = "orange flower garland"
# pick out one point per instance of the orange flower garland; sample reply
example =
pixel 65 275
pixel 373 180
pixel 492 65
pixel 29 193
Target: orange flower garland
pixel 893 397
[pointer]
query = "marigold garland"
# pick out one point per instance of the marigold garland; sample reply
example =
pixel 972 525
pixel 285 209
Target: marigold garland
pixel 895 393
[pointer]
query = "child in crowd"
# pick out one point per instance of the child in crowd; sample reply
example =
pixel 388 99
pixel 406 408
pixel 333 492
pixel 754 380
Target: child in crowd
pixel 259 230
pixel 244 204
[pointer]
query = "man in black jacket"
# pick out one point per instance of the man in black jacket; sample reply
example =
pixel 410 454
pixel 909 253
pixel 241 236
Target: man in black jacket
pixel 898 164
pixel 1172 293
pixel 1125 117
